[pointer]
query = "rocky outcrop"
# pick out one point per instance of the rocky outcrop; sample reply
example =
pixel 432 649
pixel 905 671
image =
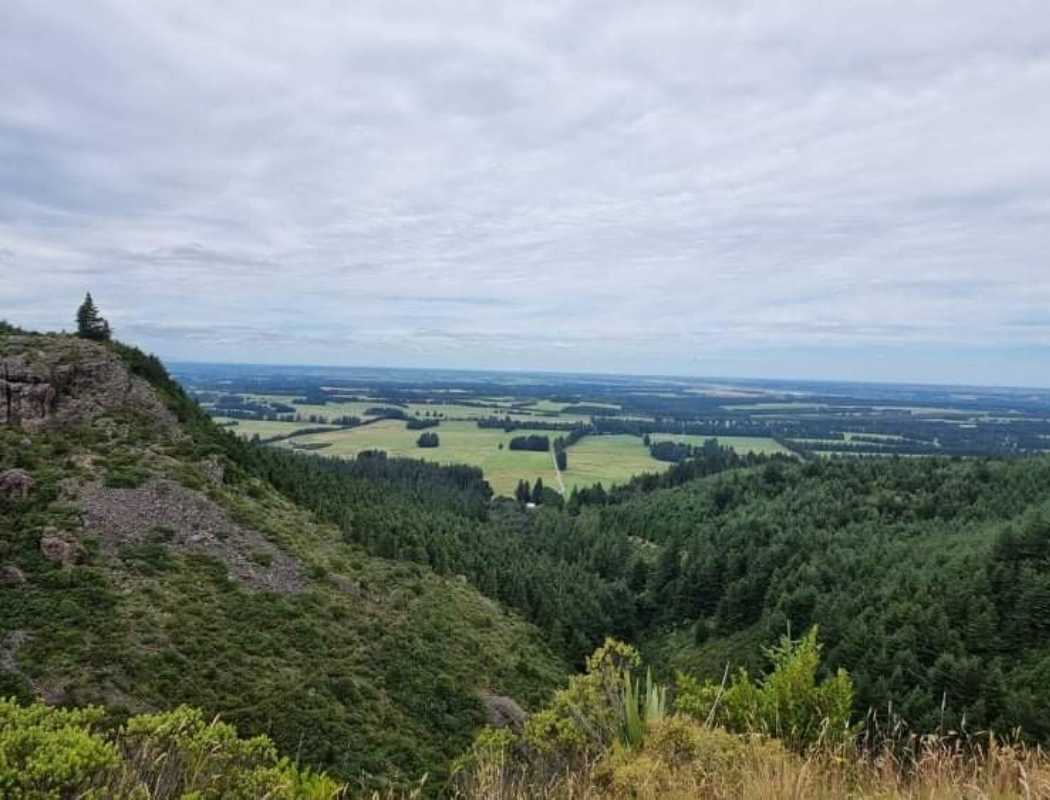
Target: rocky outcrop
pixel 15 483
pixel 186 520
pixel 60 551
pixel 213 469
pixel 50 381
pixel 11 575
pixel 503 712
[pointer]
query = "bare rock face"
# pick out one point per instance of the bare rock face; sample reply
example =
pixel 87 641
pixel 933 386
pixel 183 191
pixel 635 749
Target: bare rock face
pixel 50 381
pixel 59 550
pixel 186 520
pixel 15 483
pixel 503 712
pixel 214 470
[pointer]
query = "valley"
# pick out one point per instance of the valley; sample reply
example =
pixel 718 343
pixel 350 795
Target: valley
pixel 369 610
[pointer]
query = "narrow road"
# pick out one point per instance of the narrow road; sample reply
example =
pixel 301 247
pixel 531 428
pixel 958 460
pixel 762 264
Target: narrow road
pixel 557 472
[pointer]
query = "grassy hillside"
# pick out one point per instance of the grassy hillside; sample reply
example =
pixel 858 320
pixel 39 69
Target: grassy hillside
pixel 145 567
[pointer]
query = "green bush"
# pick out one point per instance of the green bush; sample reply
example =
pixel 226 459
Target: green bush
pixel 52 754
pixel 126 477
pixel 588 715
pixel 787 703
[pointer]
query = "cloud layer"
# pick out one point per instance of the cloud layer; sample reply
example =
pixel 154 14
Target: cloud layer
pixel 772 189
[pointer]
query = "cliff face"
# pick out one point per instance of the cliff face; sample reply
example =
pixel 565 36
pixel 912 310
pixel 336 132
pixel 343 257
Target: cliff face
pixel 142 566
pixel 54 381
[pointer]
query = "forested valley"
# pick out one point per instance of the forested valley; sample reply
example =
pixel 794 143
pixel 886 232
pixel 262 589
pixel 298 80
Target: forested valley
pixel 929 579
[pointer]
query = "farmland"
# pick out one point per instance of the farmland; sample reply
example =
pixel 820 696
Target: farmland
pixel 462 442
pixel 604 420
pixel 608 460
pixel 762 445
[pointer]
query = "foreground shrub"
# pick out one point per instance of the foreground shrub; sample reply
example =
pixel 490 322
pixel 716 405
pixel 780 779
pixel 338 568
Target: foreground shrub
pixel 680 757
pixel 53 754
pixel 606 704
pixel 683 760
pixel 787 703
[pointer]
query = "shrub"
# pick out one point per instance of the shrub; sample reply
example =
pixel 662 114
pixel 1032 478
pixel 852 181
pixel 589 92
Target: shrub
pixel 788 703
pixel 126 477
pixel 587 716
pixel 52 754
pixel 640 708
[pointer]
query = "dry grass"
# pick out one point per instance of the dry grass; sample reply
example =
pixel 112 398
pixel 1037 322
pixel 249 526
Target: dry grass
pixel 938 770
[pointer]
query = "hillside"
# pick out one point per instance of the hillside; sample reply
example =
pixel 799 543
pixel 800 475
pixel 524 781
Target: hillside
pixel 928 578
pixel 356 611
pixel 143 565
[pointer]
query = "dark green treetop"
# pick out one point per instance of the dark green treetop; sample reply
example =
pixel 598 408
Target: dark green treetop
pixel 90 323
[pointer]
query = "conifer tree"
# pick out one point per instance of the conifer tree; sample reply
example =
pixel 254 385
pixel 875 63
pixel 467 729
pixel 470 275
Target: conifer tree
pixel 537 491
pixel 522 492
pixel 91 324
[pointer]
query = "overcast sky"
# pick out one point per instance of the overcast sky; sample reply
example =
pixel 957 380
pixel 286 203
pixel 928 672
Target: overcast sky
pixel 778 189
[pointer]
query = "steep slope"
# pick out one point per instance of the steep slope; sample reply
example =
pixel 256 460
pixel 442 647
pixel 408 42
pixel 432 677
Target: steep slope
pixel 929 580
pixel 141 567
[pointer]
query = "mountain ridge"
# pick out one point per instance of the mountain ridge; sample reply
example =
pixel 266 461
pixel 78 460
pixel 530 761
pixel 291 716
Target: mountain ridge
pixel 146 567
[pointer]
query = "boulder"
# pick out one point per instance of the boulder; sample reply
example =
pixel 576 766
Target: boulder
pixel 503 712
pixel 15 483
pixel 10 575
pixel 214 470
pixel 60 551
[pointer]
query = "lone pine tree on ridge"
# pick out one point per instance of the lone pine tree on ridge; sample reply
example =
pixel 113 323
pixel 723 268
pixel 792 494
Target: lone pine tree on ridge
pixel 90 323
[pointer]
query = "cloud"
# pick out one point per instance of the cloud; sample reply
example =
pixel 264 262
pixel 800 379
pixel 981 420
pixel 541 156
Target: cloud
pixel 567 184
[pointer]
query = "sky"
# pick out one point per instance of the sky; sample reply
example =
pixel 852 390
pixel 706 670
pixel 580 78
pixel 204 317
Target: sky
pixel 771 189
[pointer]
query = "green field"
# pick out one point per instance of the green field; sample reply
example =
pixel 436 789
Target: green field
pixel 742 444
pixel 461 443
pixel 249 427
pixel 609 460
pixel 452 411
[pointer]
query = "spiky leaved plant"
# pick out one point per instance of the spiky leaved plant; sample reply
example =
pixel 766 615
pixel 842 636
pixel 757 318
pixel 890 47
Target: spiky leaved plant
pixel 640 709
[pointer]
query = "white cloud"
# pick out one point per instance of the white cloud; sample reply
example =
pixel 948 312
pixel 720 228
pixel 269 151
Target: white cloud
pixel 568 185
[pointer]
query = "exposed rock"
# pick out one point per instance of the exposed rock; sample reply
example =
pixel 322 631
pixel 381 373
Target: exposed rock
pixel 16 483
pixel 59 550
pixel 503 712
pixel 10 575
pixel 214 470
pixel 48 381
pixel 184 519
pixel 9 645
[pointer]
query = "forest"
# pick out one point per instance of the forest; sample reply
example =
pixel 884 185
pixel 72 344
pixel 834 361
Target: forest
pixel 929 579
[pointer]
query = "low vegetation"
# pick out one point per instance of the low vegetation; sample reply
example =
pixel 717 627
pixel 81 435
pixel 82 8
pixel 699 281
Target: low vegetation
pixel 366 668
pixel 785 736
pixel 65 753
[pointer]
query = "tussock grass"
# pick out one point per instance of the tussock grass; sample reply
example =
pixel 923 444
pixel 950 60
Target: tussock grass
pixel 940 769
